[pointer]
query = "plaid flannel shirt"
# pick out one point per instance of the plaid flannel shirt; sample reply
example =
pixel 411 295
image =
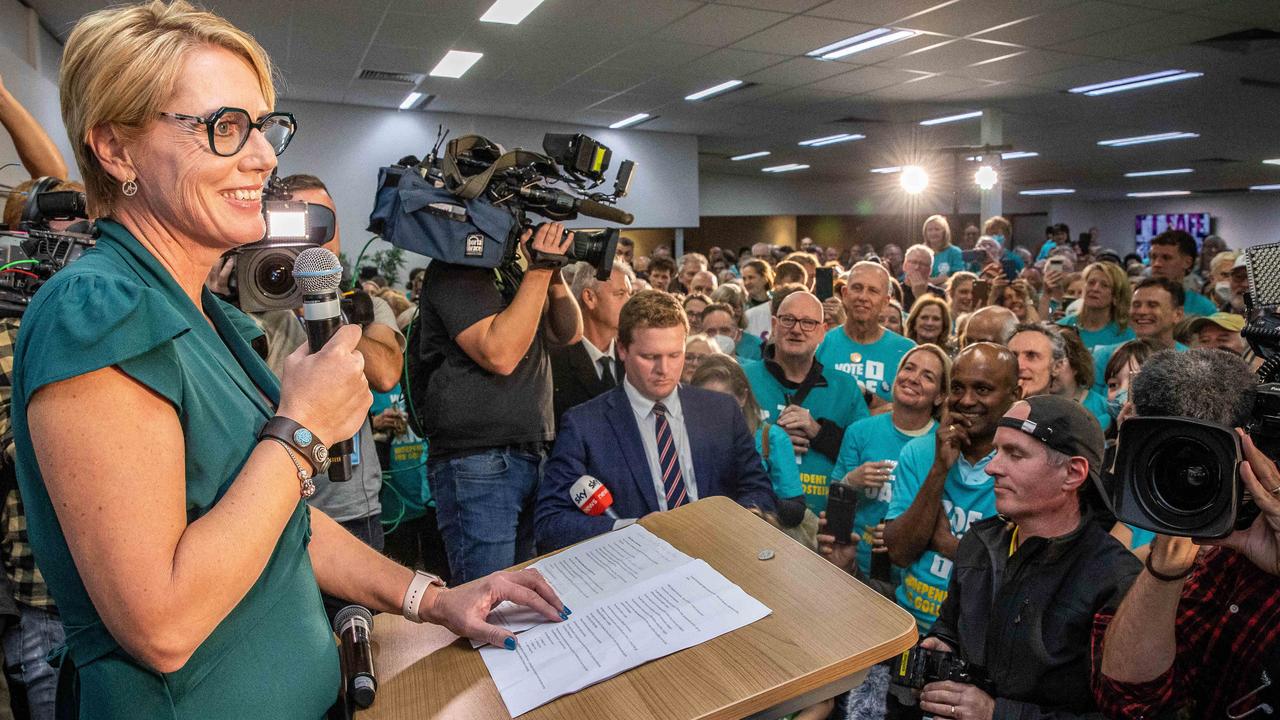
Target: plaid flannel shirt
pixel 1228 618
pixel 19 563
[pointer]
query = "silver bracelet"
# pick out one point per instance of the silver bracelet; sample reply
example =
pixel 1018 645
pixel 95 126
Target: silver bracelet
pixel 307 486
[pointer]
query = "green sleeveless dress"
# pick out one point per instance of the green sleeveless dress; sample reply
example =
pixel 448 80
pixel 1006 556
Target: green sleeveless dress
pixel 273 656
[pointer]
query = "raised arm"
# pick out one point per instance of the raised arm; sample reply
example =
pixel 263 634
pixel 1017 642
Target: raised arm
pixel 35 148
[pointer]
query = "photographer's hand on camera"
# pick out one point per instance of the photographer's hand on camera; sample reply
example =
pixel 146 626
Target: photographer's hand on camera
pixel 327 392
pixel 1261 541
pixel 841 555
pixel 958 701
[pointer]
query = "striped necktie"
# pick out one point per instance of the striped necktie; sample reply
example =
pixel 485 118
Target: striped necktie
pixel 668 459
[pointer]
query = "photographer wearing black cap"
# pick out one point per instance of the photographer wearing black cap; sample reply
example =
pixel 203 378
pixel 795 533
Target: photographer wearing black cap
pixel 1200 629
pixel 1027 583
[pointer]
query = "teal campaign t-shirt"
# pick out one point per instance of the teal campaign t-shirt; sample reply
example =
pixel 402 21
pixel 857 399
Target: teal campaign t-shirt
pixel 948 261
pixel 967 497
pixel 1197 305
pixel 1097 406
pixel 873 366
pixel 1109 334
pixel 838 399
pixel 1102 356
pixel 748 348
pixel 405 494
pixel 781 465
pixel 872 439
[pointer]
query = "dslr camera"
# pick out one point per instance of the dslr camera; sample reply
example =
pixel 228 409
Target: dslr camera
pixel 263 277
pixel 919 666
pixel 36 250
pixel 469 204
pixel 1181 476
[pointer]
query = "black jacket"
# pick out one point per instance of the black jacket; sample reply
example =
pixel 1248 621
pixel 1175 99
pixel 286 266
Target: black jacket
pixel 574 379
pixel 1027 619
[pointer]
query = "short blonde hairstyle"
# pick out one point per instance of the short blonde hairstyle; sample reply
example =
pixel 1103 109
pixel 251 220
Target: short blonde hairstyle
pixel 121 65
pixel 909 329
pixel 650 309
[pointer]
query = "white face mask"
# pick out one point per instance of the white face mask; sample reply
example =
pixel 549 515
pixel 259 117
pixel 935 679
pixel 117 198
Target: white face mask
pixel 725 343
pixel 1222 291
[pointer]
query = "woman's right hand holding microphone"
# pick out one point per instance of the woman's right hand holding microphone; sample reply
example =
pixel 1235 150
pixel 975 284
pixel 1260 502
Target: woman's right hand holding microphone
pixel 327 392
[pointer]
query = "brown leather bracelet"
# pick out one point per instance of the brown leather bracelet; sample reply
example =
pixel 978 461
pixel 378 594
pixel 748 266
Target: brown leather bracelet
pixel 300 439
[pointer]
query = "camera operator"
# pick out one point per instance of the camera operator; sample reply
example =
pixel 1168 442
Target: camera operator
pixel 487 398
pixel 1027 583
pixel 355 503
pixel 1198 628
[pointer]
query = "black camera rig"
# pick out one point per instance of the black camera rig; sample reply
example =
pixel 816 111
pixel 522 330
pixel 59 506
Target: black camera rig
pixel 37 250
pixel 469 204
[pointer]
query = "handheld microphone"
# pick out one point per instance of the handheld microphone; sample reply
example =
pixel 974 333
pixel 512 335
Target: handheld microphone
pixel 592 497
pixel 318 274
pixel 353 623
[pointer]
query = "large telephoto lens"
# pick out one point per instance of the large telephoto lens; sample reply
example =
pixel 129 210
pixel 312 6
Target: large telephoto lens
pixel 596 248
pixel 1184 477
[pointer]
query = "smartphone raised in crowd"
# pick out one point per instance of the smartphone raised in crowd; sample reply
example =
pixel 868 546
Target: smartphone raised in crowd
pixel 824 281
pixel 975 257
pixel 841 504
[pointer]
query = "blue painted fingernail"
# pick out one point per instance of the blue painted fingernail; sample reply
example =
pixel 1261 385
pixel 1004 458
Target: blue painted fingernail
pixel 567 611
pixel 564 615
pixel 509 643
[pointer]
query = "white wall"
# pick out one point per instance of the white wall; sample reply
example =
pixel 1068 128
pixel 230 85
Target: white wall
pixel 733 195
pixel 345 145
pixel 29 67
pixel 1242 220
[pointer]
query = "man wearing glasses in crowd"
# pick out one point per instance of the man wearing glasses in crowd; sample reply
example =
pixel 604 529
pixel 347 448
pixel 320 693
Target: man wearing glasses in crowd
pixel 813 403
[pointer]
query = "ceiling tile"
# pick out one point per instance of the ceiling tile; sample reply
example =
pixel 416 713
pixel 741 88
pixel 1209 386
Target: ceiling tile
pixel 864 80
pixel 403 30
pixel 730 64
pixel 1157 34
pixel 785 6
pixel 657 55
pixel 876 12
pixel 719 25
pixel 947 56
pixel 1027 64
pixel 800 35
pixel 1072 22
pixel 1259 13
pixel 798 71
pixel 1089 74
pixel 609 80
pixel 926 88
pixel 965 18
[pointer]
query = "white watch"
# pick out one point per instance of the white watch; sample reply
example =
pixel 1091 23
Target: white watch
pixel 413 596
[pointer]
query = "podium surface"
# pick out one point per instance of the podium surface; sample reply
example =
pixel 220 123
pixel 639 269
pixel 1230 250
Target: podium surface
pixel 825 631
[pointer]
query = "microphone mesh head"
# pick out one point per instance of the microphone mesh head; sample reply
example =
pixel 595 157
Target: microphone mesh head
pixel 317 271
pixel 352 611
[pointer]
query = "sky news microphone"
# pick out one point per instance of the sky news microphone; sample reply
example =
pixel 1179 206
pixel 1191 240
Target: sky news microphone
pixel 353 624
pixel 318 274
pixel 592 497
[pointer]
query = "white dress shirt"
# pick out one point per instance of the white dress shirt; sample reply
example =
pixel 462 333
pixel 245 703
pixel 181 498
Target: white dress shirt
pixel 596 353
pixel 645 417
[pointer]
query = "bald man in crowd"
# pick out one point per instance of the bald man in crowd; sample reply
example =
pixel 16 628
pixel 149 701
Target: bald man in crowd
pixel 991 324
pixel 940 486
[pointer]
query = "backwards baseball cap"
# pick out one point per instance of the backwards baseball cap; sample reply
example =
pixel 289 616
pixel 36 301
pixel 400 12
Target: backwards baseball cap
pixel 1063 425
pixel 1227 321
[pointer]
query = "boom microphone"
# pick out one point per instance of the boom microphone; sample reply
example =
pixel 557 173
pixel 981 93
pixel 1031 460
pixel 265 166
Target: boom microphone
pixel 318 274
pixel 352 624
pixel 592 497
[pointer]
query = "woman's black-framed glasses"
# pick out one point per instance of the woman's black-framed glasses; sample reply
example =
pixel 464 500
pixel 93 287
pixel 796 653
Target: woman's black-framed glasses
pixel 229 129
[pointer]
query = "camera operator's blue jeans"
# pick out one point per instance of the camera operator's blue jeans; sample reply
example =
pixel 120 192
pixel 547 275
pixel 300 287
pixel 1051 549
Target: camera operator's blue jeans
pixel 484 504
pixel 26 643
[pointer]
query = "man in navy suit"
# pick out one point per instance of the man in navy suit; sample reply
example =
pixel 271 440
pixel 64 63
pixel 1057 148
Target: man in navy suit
pixel 655 445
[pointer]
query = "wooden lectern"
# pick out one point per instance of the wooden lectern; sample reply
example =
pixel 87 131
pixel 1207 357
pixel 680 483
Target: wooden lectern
pixel 825 631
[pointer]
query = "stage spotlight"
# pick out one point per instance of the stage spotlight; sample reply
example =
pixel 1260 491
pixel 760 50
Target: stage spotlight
pixel 914 179
pixel 986 177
